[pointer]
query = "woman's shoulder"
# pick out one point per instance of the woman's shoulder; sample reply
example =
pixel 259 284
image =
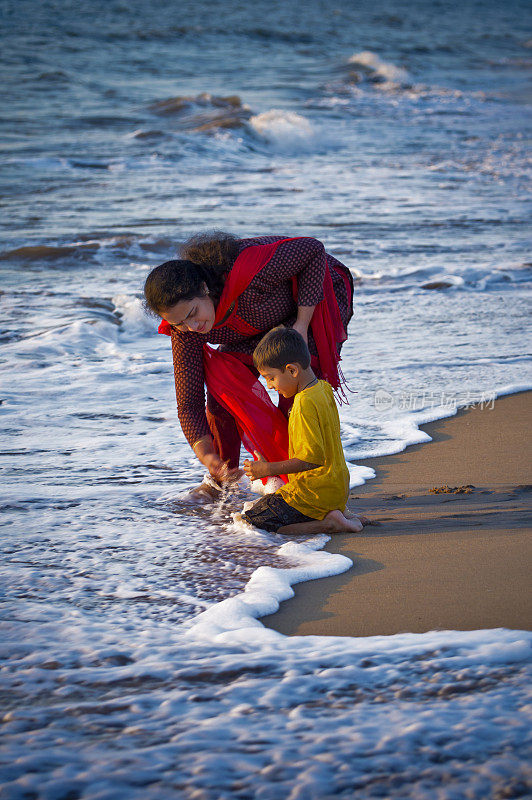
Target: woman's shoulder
pixel 243 243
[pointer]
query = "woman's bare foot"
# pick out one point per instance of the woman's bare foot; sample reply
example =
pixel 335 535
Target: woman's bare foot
pixel 205 493
pixel 336 522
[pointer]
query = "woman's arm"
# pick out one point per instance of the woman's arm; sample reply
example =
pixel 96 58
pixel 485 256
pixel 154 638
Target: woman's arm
pixel 304 316
pixel 305 258
pixel 187 354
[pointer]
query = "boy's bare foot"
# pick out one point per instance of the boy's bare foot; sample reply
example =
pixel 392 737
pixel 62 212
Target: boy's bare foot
pixel 351 515
pixel 336 522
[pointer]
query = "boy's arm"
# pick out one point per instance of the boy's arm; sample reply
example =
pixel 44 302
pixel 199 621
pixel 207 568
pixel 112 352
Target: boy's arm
pixel 265 469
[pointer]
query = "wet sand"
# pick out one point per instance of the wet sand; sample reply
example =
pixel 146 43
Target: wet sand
pixel 449 560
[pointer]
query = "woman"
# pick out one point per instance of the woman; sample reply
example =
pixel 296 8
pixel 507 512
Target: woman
pixel 231 291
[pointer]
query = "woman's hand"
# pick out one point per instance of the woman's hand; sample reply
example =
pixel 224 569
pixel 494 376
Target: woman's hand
pixel 256 469
pixel 220 470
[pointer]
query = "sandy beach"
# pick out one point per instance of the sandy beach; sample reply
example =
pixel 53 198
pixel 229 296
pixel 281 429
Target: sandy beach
pixel 457 560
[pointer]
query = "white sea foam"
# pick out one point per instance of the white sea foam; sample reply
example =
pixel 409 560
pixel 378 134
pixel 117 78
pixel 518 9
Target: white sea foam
pixel 231 620
pixel 289 133
pixel 383 70
pixel 228 701
pixel 134 319
pixel 271 485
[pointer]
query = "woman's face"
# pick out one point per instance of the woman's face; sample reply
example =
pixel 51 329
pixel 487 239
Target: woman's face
pixel 192 316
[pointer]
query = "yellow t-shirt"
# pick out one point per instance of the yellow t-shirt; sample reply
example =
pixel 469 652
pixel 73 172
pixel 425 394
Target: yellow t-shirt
pixel 314 436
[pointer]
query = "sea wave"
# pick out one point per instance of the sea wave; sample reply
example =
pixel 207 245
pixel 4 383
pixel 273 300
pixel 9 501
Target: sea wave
pixel 366 74
pixel 281 131
pixel 131 245
pixel 289 133
pixel 43 252
pixel 469 278
pixel 204 112
pixel 377 70
pixel 52 76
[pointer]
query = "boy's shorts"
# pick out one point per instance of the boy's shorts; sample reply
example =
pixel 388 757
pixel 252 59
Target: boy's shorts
pixel 271 512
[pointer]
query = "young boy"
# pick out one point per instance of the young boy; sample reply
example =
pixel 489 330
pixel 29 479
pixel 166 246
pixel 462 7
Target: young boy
pixel 314 499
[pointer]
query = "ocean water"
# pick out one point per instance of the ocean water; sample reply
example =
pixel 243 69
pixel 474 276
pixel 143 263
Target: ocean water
pixel 133 660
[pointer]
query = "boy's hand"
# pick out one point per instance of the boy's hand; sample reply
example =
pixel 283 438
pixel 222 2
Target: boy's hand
pixel 256 469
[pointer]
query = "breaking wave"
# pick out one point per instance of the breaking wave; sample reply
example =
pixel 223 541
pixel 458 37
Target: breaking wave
pixel 288 132
pixel 371 67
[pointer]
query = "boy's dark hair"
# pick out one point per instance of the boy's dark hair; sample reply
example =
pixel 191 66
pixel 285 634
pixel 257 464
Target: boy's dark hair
pixel 279 347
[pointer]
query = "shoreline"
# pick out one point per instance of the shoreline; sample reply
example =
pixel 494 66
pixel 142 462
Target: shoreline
pixel 436 561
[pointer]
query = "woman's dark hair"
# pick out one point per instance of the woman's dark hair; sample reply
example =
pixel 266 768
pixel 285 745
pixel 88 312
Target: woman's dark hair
pixel 279 347
pixel 211 249
pixel 206 257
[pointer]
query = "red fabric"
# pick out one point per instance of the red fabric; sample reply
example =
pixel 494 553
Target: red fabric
pixel 250 261
pixel 328 330
pixel 262 426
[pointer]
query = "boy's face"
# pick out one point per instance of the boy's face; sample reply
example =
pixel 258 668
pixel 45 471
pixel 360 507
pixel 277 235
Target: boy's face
pixel 284 381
